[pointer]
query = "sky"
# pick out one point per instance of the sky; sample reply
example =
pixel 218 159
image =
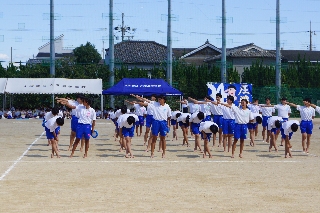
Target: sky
pixel 25 25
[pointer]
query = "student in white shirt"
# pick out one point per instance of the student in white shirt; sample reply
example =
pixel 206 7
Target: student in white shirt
pixel 255 108
pixel 51 127
pixel 274 124
pixel 126 130
pixel 242 117
pixel 307 114
pixel 183 120
pixel 139 111
pixel 216 110
pixel 86 124
pixel 207 128
pixel 195 120
pixel 266 114
pixel 174 124
pixel 184 106
pixel 252 126
pixel 205 107
pixel 289 128
pixel 123 110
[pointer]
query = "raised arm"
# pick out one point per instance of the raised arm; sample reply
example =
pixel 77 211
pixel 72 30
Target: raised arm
pixel 291 104
pixel 196 101
pixel 226 105
pixel 140 98
pixel 130 102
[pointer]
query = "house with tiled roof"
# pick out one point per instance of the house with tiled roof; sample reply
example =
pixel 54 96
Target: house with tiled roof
pixel 141 54
pixel 291 56
pixel 198 55
pixel 44 51
pixel 243 56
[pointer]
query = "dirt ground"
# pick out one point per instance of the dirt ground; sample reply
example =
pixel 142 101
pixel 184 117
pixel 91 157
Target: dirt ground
pixel 30 181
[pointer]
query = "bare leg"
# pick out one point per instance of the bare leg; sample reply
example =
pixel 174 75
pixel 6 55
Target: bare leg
pixel 252 132
pixel 86 148
pixel 241 146
pixel 129 152
pixel 308 142
pixel 146 135
pixel 72 137
pixel 220 136
pixel 153 145
pixel 304 138
pixel 164 145
pixel 75 144
pixel 234 147
pixel 206 148
pixel 229 141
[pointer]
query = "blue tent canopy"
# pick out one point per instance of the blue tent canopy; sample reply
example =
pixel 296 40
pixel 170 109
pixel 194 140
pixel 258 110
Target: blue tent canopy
pixel 141 86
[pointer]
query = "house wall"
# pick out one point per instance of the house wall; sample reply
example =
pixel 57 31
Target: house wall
pixel 58 46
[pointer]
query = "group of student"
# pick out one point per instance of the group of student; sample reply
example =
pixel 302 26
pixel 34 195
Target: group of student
pixel 82 124
pixel 206 119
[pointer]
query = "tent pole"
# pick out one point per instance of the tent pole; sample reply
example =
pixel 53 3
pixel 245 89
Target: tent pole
pixel 102 115
pixel 3 101
pixel 52 100
pixel 180 103
pixel 10 101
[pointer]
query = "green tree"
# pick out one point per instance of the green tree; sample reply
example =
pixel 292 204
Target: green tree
pixel 87 54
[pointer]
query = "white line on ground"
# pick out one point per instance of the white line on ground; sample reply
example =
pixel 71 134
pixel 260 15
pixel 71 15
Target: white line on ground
pixel 19 159
pixel 154 161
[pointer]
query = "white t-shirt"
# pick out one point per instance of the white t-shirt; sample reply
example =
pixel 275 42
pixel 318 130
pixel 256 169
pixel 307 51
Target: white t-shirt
pixel 48 115
pixel 150 107
pixel 227 112
pixel 51 124
pixel 306 113
pixel 205 126
pixel 86 116
pixel 194 108
pixel 254 108
pixel 173 115
pixel 283 110
pixel 185 105
pixel 139 109
pixel 318 109
pixel 183 117
pixel 194 118
pixel 122 121
pixel 286 126
pixel 73 103
pixel 205 108
pixel 118 113
pixel 242 116
pixel 267 111
pixel 161 113
pixel 216 109
pixel 272 120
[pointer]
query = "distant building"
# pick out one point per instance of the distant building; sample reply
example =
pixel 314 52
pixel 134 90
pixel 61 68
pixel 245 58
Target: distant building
pixel 141 54
pixel 43 55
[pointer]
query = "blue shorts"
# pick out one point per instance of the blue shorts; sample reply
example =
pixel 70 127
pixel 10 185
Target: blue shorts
pixel 173 122
pixel 195 128
pixel 207 118
pixel 183 124
pixel 208 135
pixel 159 127
pixel 306 127
pixel 274 130
pixel 74 123
pixel 218 119
pixel 265 120
pixel 228 126
pixel 252 125
pixel 240 131
pixel 141 121
pixel 284 136
pixel 128 132
pixel 149 120
pixel 50 134
pixel 83 130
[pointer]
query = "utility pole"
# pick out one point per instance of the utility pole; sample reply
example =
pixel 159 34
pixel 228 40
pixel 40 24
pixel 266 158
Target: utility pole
pixel 314 33
pixel 278 54
pixel 169 46
pixel 52 50
pixel 224 46
pixel 123 29
pixel 111 50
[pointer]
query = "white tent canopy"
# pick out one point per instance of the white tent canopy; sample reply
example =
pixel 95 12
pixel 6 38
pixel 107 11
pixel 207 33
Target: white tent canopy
pixel 3 82
pixel 50 86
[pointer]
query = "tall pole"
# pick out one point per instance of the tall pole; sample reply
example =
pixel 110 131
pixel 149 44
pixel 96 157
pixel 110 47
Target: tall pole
pixel 169 46
pixel 224 48
pixel 122 28
pixel 11 56
pixel 111 51
pixel 278 55
pixel 310 48
pixel 52 50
